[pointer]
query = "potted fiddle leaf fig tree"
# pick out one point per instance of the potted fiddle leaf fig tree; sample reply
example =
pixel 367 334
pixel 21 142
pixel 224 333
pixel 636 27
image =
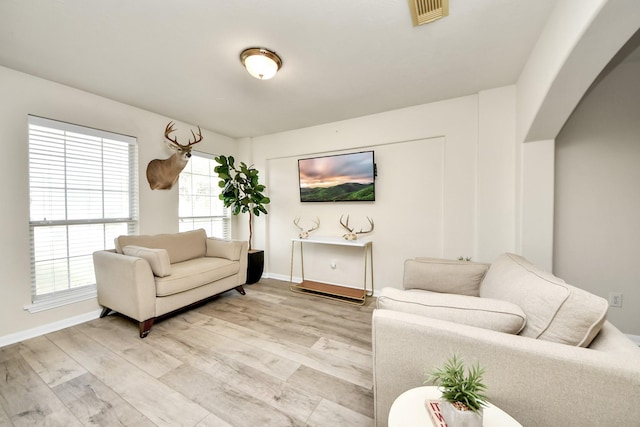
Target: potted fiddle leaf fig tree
pixel 243 193
pixel 462 391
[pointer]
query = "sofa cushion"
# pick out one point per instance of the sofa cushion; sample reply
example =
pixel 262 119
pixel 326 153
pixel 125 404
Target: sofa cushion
pixel 193 273
pixel 556 311
pixel 180 246
pixel 441 275
pixel 158 259
pixel 487 313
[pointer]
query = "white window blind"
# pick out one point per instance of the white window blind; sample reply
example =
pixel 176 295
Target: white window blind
pixel 83 194
pixel 199 204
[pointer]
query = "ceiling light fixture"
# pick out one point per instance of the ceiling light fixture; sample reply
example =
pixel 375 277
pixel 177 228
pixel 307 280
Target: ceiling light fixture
pixel 261 63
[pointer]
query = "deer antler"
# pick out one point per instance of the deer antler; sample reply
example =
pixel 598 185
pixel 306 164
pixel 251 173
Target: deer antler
pixel 169 129
pixel 317 223
pixel 305 233
pixel 346 225
pixel 195 139
pixel 369 230
pixel 351 235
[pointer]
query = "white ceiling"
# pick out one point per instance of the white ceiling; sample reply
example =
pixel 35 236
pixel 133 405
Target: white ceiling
pixel 342 58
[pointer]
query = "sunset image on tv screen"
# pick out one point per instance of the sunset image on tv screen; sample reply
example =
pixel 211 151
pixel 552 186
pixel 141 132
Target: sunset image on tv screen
pixel 345 177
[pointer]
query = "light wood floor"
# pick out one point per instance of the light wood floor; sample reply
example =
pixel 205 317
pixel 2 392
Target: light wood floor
pixel 268 358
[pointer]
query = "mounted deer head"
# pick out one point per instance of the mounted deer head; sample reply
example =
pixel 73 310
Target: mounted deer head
pixel 351 235
pixel 162 174
pixel 304 234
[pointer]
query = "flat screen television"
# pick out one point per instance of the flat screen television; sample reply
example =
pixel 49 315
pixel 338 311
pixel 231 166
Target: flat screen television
pixel 338 178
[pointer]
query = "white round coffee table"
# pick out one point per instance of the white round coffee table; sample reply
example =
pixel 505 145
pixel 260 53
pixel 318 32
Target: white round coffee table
pixel 409 410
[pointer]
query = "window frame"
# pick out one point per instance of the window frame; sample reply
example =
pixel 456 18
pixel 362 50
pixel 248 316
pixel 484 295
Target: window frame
pixel 215 191
pixel 63 135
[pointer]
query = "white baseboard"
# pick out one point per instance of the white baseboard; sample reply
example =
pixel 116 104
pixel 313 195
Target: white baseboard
pixel 48 328
pixel 283 277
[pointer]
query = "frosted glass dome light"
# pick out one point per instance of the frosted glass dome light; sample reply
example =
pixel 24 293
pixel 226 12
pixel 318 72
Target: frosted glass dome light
pixel 261 63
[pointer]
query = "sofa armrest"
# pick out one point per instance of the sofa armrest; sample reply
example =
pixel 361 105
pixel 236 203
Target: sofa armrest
pixel 442 275
pixel 125 284
pixel 234 250
pixel 539 383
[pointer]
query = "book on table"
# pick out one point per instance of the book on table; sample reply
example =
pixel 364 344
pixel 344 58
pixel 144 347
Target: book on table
pixel 433 408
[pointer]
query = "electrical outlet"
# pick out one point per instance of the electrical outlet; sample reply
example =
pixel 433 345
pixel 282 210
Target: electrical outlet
pixel 615 299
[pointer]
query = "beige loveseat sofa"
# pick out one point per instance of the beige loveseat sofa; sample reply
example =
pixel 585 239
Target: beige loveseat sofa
pixel 149 276
pixel 551 357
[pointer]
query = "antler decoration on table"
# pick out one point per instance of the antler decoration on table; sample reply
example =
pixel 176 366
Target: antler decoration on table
pixel 351 235
pixel 304 234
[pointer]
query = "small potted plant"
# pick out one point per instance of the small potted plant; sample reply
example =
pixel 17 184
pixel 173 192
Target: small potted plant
pixel 242 192
pixel 462 392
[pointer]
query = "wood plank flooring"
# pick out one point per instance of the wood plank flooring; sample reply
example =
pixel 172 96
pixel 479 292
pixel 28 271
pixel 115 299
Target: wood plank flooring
pixel 269 358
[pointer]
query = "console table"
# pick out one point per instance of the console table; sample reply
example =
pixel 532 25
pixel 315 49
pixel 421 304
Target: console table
pixel 342 293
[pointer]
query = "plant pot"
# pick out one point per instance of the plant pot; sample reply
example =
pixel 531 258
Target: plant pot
pixel 255 266
pixel 457 418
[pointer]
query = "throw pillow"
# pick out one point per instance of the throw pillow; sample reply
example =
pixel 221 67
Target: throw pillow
pixel 181 246
pixel 441 275
pixel 158 259
pixel 223 249
pixel 556 311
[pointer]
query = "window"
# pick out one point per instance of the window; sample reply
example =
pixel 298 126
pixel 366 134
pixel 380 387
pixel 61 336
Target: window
pixel 199 205
pixel 83 192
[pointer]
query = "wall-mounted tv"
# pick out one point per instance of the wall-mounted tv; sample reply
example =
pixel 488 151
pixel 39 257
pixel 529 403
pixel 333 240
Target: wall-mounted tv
pixel 338 178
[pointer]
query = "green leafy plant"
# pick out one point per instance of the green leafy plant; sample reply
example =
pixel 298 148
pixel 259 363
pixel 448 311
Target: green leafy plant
pixel 241 189
pixel 461 387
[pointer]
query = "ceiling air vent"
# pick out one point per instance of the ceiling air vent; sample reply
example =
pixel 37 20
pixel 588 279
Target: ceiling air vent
pixel 425 11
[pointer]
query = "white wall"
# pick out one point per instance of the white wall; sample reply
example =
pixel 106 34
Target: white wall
pixel 397 236
pixel 597 216
pixel 563 31
pixel 579 39
pixel 496 199
pixel 22 95
pixel 431 176
pixel 536 189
